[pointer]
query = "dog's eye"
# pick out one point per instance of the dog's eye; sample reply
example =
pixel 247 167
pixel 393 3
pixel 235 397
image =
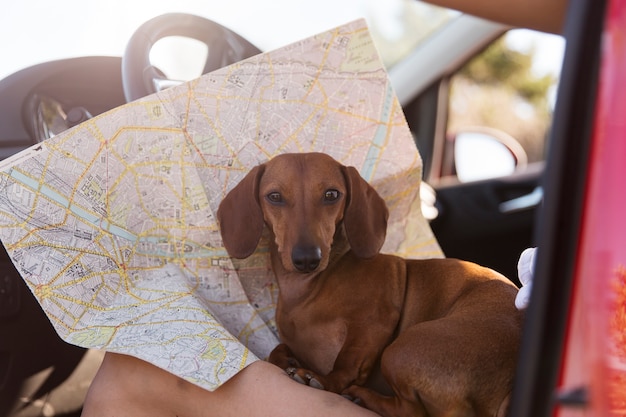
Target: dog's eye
pixel 331 195
pixel 275 197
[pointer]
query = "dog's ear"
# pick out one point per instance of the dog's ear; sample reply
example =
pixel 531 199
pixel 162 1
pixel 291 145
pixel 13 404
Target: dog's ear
pixel 240 216
pixel 366 214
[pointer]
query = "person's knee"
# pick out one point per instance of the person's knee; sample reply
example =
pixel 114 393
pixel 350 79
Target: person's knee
pixel 129 386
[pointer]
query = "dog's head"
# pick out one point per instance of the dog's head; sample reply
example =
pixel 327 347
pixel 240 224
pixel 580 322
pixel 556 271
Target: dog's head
pixel 303 199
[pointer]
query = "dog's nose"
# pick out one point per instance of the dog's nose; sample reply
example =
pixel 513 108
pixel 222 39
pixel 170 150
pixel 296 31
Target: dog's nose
pixel 306 259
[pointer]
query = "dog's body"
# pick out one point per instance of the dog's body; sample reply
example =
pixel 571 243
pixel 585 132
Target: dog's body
pixel 443 333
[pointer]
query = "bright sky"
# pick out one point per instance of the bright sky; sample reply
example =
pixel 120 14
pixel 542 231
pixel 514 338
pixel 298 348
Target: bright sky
pixel 34 31
pixel 548 49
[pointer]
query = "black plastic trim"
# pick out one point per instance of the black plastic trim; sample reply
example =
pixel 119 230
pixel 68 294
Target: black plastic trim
pixel 558 226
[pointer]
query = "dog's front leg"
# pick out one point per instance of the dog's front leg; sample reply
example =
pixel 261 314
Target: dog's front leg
pixel 353 366
pixel 282 357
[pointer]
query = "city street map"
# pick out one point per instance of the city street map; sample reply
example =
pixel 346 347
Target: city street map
pixel 112 223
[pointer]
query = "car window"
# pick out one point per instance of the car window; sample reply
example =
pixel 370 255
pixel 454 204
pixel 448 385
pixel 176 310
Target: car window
pixel 501 104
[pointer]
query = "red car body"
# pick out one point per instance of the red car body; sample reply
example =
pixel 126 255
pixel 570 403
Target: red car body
pixel 595 349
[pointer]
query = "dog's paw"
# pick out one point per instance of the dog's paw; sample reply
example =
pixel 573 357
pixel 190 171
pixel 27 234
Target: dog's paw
pixel 304 377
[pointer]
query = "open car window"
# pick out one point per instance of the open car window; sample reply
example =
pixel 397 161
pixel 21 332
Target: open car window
pixel 501 106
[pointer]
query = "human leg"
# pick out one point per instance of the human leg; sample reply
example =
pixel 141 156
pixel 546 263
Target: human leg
pixel 126 386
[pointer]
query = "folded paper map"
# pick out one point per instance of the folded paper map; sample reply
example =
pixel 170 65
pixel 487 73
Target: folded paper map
pixel 112 223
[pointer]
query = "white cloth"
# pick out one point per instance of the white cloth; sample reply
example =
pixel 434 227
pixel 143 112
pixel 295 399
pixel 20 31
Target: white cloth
pixel 525 271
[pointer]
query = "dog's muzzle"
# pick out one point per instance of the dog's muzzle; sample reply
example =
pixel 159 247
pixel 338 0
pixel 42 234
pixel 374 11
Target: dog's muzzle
pixel 306 259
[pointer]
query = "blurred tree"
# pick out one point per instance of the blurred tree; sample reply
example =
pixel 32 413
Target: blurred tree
pixel 499 64
pixel 498 89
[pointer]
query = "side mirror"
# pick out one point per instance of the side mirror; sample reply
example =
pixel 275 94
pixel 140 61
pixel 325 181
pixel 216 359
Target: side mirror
pixel 481 153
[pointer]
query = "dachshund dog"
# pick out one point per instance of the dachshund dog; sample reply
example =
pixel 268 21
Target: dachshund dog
pixel 434 337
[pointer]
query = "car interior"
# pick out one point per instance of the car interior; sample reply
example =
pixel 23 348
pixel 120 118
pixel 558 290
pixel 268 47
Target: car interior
pixel 489 221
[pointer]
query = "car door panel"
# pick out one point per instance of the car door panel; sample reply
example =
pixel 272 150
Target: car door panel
pixel 472 224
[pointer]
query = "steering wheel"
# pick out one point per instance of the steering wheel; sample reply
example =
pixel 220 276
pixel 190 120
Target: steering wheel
pixel 140 78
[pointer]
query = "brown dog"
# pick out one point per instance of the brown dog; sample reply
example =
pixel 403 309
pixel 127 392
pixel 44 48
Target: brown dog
pixel 444 333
